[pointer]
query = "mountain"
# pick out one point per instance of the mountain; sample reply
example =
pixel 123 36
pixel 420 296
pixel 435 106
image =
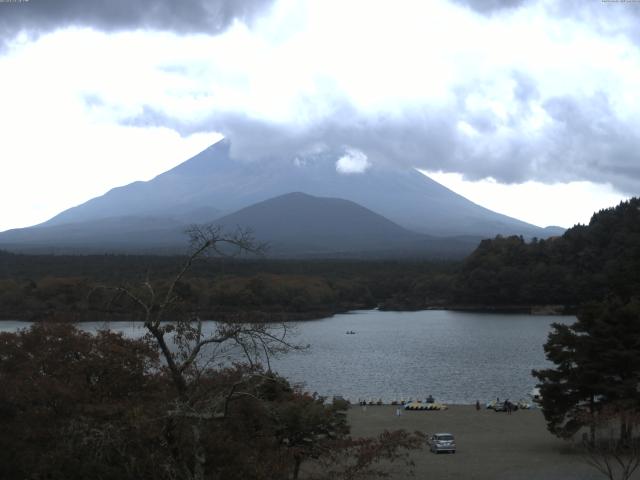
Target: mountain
pixel 379 210
pixel 212 179
pixel 293 225
pixel 113 234
pixel 304 225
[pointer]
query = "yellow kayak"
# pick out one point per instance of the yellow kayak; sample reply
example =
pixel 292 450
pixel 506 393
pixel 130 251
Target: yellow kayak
pixel 425 406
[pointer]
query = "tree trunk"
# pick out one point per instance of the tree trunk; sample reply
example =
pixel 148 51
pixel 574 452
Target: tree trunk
pixel 199 454
pixel 178 379
pixel 625 431
pixel 592 424
pixel 296 467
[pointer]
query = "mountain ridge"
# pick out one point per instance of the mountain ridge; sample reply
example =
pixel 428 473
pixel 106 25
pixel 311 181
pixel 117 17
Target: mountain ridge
pixel 213 178
pixel 212 186
pixel 298 223
pixel 295 225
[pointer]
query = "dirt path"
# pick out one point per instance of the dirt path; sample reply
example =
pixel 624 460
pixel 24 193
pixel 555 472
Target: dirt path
pixel 491 445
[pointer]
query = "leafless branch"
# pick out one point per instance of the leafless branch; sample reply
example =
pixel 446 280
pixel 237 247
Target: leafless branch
pixel 615 455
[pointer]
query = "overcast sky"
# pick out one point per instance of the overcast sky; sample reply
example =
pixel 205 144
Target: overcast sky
pixel 528 107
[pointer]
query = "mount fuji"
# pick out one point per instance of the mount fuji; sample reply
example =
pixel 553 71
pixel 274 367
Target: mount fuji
pixel 213 186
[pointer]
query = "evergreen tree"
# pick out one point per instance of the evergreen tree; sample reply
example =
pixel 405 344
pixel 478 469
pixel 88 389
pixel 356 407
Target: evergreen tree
pixel 597 364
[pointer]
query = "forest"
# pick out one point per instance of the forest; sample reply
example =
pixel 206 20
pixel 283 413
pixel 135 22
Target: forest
pixel 63 287
pixel 504 273
pixel 585 264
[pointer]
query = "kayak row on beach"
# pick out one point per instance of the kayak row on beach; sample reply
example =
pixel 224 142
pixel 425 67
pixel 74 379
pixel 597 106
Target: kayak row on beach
pixel 401 402
pixel 429 404
pixel 499 406
pixel 412 405
pixel 425 406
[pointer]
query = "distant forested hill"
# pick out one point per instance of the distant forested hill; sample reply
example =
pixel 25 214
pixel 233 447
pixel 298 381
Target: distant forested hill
pixel 587 263
pixel 44 287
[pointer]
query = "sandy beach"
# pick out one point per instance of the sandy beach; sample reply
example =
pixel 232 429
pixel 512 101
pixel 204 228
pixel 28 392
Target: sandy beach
pixel 491 445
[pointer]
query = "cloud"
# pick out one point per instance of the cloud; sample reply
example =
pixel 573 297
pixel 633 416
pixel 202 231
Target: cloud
pixel 183 16
pixel 486 7
pixel 416 138
pixel 511 99
pixel 578 138
pixel 548 100
pixel 593 143
pixel 353 161
pixel 609 18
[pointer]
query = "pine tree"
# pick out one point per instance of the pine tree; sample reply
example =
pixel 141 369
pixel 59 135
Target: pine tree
pixel 597 364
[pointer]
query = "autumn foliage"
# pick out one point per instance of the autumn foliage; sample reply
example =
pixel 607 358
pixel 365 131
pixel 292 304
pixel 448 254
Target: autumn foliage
pixel 76 405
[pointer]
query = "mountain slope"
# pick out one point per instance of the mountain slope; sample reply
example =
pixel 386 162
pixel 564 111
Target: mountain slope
pixel 293 225
pixel 113 234
pixel 300 224
pixel 212 179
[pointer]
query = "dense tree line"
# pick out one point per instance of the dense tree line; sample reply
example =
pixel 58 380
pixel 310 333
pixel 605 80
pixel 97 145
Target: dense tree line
pixel 587 263
pixel 38 287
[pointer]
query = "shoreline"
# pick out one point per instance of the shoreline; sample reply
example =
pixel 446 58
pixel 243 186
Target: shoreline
pixel 559 310
pixel 311 315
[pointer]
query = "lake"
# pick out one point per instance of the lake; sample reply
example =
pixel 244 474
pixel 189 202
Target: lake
pixel 457 357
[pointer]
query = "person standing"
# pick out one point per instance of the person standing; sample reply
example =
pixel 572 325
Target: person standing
pixel 477 404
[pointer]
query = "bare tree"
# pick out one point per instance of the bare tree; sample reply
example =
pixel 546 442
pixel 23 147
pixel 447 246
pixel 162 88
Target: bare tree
pixel 189 351
pixel 196 355
pixel 613 450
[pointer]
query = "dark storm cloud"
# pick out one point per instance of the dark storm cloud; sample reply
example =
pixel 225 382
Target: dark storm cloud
pixel 582 137
pixel 572 148
pixel 487 7
pixel 181 16
pixel 412 140
pixel 596 10
pixel 591 141
pixel 609 18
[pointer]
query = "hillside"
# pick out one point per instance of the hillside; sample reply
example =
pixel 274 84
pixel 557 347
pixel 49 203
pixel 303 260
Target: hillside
pixel 215 179
pixel 297 224
pixel 112 234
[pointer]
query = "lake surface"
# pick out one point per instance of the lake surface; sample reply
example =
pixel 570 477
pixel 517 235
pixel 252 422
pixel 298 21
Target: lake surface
pixel 457 357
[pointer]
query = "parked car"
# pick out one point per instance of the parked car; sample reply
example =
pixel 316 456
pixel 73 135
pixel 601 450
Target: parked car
pixel 442 442
pixel 502 407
